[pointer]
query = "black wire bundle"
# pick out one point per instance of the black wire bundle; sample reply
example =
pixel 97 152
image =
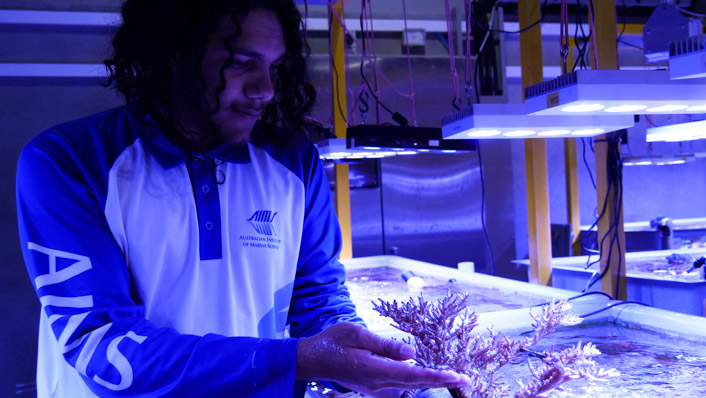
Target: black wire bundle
pixel 614 178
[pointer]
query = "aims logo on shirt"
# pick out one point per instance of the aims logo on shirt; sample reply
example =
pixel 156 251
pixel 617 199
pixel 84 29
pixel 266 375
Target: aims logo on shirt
pixel 262 220
pixel 266 238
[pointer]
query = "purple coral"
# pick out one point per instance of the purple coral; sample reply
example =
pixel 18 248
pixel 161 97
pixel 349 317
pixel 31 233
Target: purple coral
pixel 442 335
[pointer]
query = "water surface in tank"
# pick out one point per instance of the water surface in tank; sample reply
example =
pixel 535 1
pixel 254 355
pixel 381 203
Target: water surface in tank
pixel 370 284
pixel 651 364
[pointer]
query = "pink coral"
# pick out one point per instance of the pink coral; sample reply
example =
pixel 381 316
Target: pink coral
pixel 443 335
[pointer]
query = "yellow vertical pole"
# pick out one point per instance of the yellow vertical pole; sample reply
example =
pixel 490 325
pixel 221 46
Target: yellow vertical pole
pixel 572 193
pixel 607 56
pixel 572 174
pixel 540 243
pixel 342 198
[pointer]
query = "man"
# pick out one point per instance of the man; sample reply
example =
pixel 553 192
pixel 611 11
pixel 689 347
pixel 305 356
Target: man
pixel 185 244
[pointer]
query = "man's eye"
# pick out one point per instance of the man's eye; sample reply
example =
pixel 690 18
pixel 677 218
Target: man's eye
pixel 238 64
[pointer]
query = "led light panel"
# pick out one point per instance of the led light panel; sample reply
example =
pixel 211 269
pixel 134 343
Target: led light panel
pixel 334 149
pixel 375 142
pixel 600 92
pixel 510 121
pixel 687 58
pixel 677 132
pixel 656 160
pixel 405 139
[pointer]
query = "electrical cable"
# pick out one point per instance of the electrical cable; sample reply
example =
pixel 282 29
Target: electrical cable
pixel 578 297
pixel 482 212
pixel 335 73
pixel 532 25
pixel 480 52
pixel 585 162
pixel 691 13
pixel 353 99
pixel 614 171
pixel 395 115
pixel 469 72
pixel 613 306
pixel 625 21
pixel 581 57
pixel 564 35
pixel 490 19
pixel 583 316
pixel 372 55
pixel 631 45
pixel 452 58
pixel 594 49
pixel 401 120
pixel 443 40
pixel 409 66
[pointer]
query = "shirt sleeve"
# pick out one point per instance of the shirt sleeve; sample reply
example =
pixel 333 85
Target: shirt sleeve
pixel 320 297
pixel 83 284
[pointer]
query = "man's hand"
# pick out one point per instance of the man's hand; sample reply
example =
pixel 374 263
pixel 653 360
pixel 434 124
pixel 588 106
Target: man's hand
pixel 349 354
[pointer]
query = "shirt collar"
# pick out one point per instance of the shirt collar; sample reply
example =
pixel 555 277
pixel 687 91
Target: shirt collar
pixel 170 155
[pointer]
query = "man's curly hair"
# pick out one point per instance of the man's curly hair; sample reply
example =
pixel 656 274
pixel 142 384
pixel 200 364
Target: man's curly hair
pixel 155 32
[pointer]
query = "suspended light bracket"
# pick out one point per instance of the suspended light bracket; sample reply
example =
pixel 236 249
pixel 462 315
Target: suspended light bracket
pixel 603 92
pixel 404 139
pixel 687 58
pixel 510 121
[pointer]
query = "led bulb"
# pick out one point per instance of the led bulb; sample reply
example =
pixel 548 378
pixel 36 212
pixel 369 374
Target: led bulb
pixel 587 132
pixel 582 108
pixel 483 133
pixel 667 108
pixel 553 133
pixel 626 108
pixel 697 108
pixel 519 133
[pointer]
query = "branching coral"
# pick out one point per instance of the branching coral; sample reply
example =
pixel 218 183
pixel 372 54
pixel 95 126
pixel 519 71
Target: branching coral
pixel 442 334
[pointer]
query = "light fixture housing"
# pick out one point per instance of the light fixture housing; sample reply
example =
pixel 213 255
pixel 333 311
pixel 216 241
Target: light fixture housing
pixel 405 139
pixel 687 58
pixel 633 92
pixel 375 142
pixel 335 150
pixel 677 132
pixel 510 121
pixel 657 160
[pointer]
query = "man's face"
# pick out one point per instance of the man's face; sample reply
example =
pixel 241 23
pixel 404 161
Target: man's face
pixel 249 86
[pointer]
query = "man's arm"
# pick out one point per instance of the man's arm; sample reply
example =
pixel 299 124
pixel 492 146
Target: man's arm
pixel 337 347
pixel 83 284
pixel 320 297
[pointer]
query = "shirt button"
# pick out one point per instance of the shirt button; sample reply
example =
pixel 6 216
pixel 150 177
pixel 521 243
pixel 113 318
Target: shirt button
pixel 208 225
pixel 205 189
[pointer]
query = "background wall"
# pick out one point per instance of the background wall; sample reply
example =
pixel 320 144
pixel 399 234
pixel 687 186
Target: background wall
pixel 431 204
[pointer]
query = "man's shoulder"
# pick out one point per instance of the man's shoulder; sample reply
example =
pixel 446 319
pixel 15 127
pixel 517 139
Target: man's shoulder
pixel 100 138
pixel 78 129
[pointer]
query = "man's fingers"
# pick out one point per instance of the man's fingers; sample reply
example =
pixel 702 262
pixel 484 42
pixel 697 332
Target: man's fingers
pixel 385 347
pixel 385 373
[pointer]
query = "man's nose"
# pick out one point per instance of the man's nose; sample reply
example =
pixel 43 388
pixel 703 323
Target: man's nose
pixel 260 85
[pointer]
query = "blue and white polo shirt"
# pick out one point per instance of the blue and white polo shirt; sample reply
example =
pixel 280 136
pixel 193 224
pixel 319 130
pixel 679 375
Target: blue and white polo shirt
pixel 156 280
